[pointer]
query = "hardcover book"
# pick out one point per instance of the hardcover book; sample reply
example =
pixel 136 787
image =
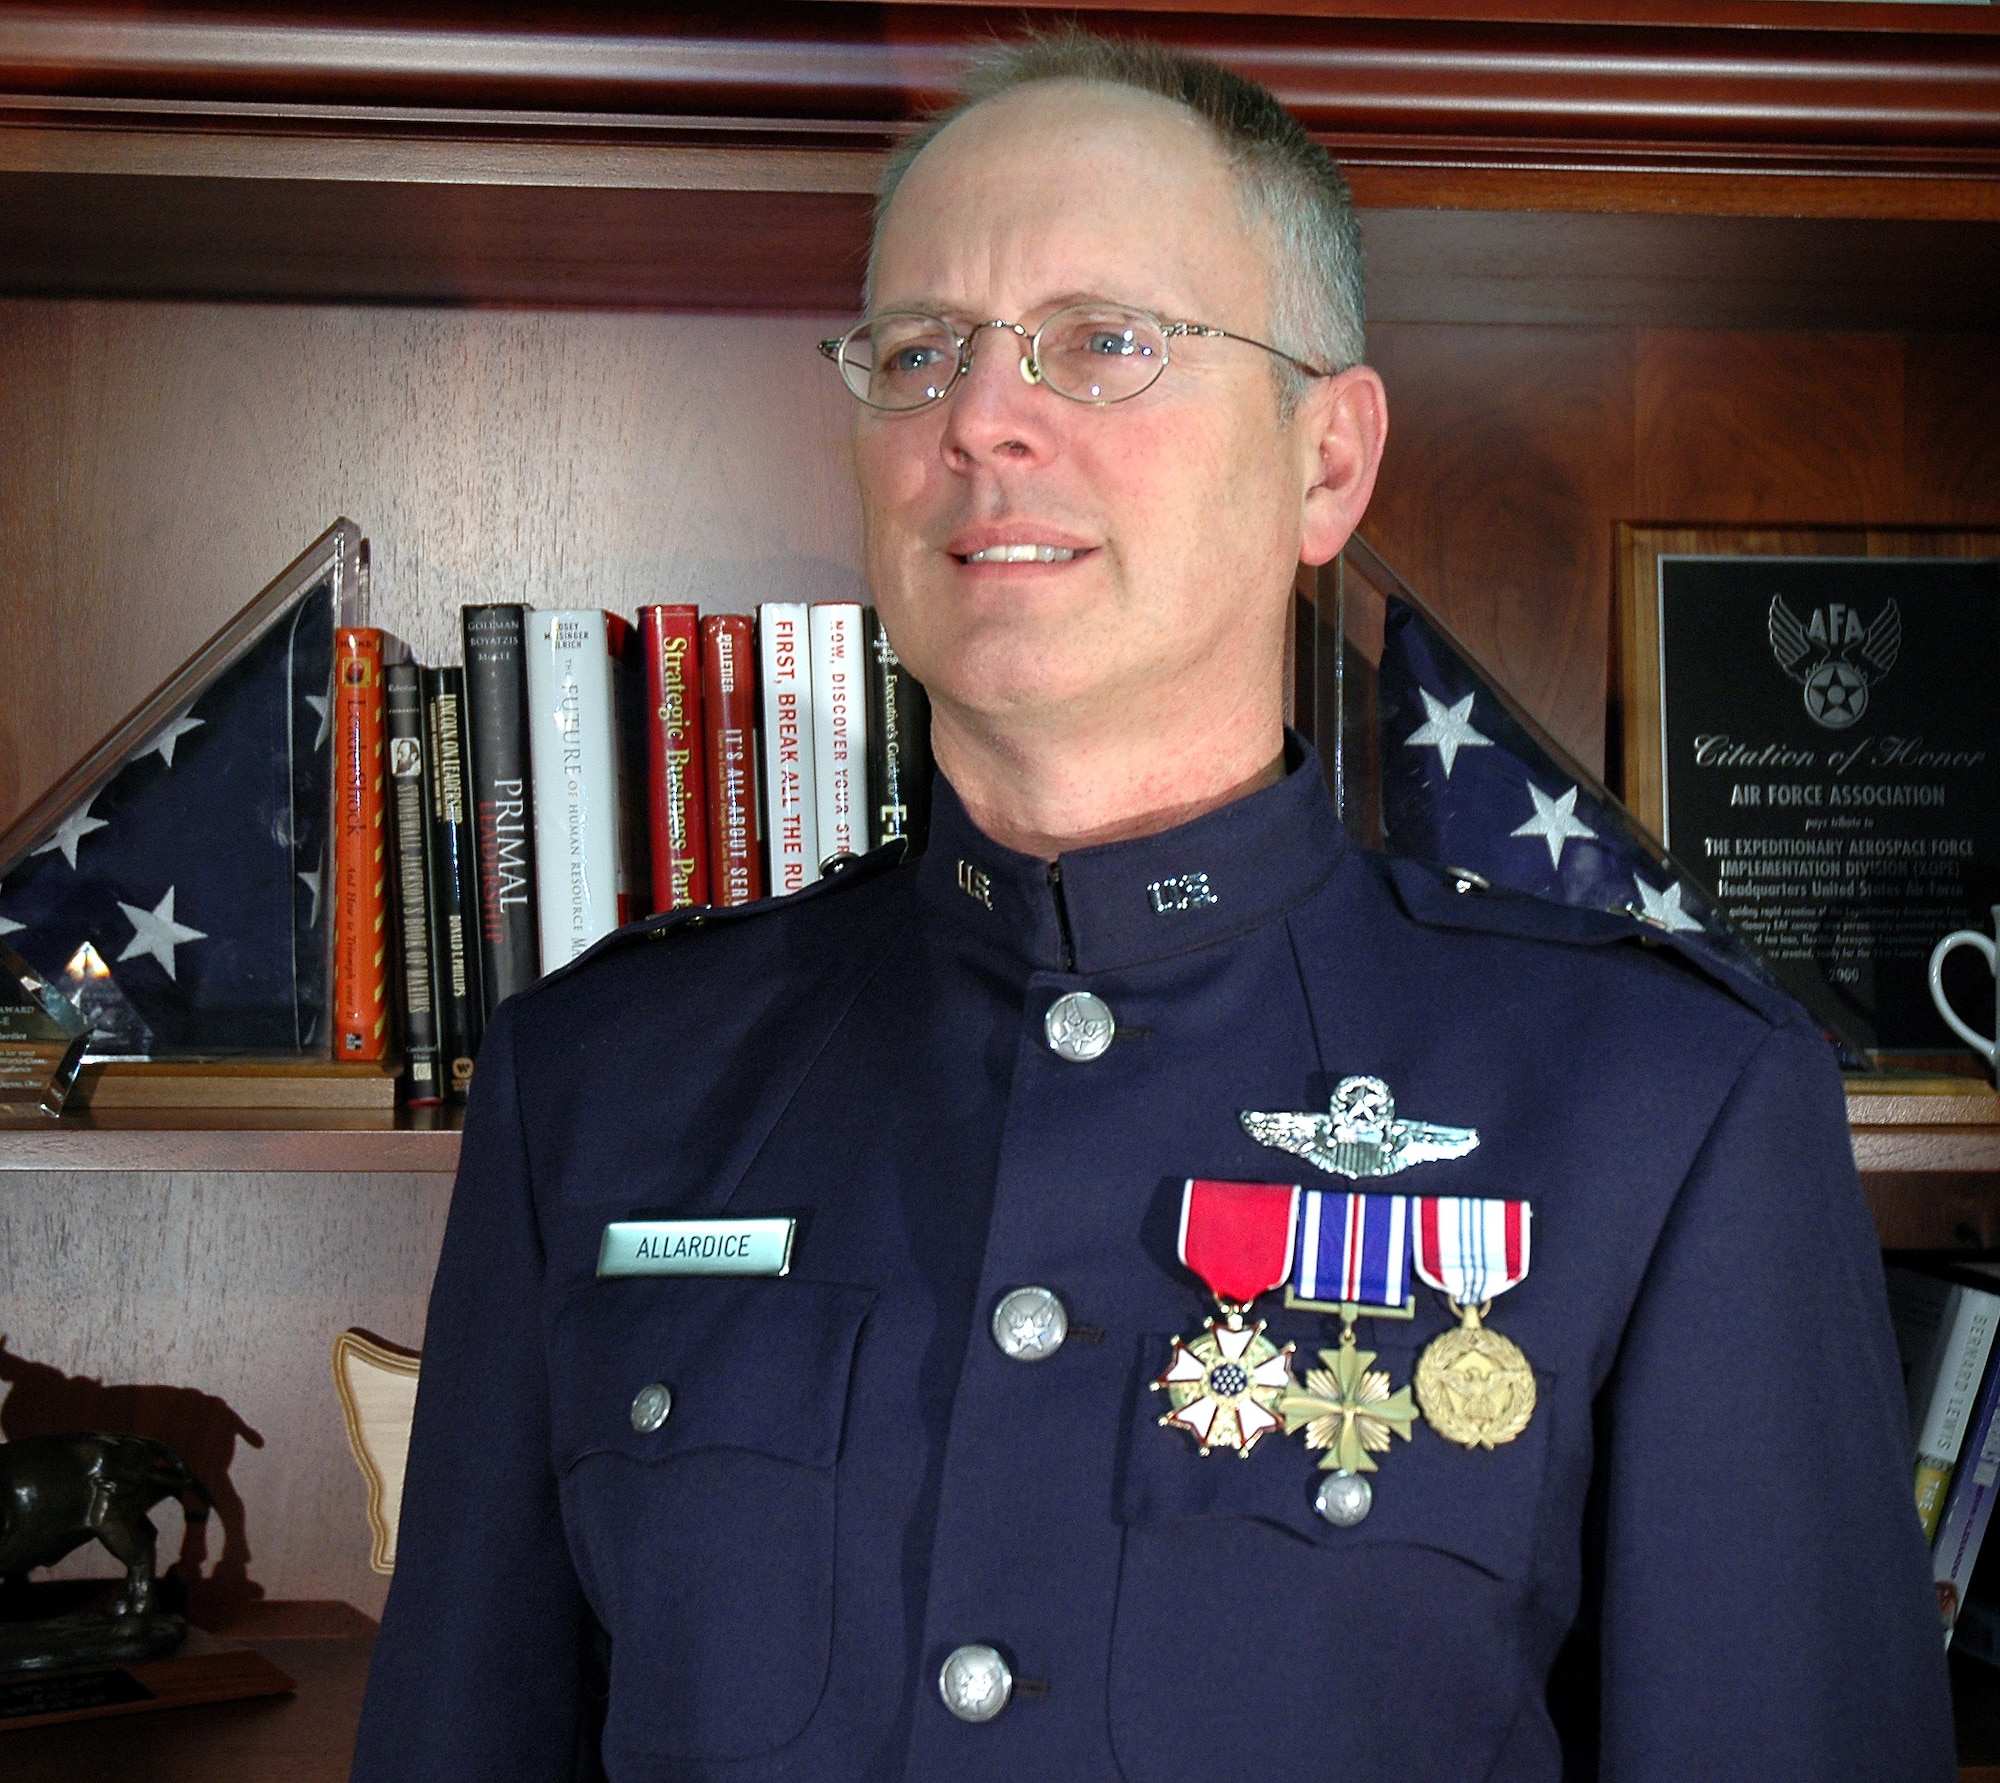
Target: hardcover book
pixel 409 833
pixel 840 729
pixel 729 721
pixel 785 732
pixel 677 808
pixel 453 879
pixel 899 744
pixel 496 732
pixel 1945 1331
pixel 360 850
pixel 574 750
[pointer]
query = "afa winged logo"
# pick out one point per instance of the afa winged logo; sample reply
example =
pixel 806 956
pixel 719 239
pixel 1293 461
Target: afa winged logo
pixel 1821 655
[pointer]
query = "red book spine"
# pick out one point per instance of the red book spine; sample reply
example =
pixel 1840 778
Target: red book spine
pixel 729 709
pixel 671 646
pixel 360 851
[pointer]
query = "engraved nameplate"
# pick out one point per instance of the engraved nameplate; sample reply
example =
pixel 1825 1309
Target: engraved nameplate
pixel 697 1247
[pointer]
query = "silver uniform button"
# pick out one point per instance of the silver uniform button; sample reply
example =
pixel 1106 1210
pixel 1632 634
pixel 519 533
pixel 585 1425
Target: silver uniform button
pixel 1029 1324
pixel 1344 1499
pixel 975 1683
pixel 650 1406
pixel 1079 1027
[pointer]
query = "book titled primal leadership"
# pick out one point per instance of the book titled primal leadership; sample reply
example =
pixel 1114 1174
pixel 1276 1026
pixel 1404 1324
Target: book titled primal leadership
pixel 729 721
pixel 677 810
pixel 577 753
pixel 496 734
pixel 785 725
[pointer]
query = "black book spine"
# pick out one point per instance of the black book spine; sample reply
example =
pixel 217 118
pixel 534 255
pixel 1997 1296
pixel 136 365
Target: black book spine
pixel 403 738
pixel 899 745
pixel 502 800
pixel 454 920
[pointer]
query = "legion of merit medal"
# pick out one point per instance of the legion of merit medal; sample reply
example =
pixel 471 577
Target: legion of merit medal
pixel 1351 1258
pixel 1224 1385
pixel 1475 1386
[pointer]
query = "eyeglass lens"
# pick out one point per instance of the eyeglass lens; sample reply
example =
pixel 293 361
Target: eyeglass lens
pixel 1089 352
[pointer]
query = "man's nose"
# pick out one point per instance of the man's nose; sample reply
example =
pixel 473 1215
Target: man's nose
pixel 997 406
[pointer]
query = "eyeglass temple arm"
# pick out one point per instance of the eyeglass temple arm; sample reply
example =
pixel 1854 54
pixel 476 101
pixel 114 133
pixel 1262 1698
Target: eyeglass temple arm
pixel 1176 330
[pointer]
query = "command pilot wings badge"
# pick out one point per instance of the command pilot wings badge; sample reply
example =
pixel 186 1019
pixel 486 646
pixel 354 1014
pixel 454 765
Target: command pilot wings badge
pixel 1360 1134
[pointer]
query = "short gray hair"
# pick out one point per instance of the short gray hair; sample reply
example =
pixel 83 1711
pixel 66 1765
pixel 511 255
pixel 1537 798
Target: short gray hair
pixel 1284 179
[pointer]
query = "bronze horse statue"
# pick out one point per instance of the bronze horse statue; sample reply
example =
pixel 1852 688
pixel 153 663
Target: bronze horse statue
pixel 58 1492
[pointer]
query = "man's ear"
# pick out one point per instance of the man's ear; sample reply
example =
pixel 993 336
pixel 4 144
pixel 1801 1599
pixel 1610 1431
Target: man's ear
pixel 1344 421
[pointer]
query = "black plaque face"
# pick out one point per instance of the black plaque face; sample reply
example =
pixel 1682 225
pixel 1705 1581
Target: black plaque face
pixel 1832 757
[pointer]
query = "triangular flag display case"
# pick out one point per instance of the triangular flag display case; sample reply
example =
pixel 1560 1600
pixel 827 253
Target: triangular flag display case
pixel 174 886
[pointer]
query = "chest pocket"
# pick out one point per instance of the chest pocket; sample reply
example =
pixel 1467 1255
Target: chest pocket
pixel 1329 1627
pixel 707 1542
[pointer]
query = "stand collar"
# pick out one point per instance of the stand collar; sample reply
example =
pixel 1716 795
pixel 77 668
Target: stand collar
pixel 1124 903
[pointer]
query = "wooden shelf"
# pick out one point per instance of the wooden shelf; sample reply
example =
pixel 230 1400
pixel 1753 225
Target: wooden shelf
pixel 307 1737
pixel 246 1139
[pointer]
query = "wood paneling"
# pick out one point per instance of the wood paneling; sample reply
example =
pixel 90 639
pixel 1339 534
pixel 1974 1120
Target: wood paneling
pixel 1768 427
pixel 1951 429
pixel 202 1311
pixel 1509 451
pixel 159 463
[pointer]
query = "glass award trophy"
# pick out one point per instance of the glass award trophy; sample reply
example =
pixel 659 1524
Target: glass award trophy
pixel 42 1038
pixel 1429 756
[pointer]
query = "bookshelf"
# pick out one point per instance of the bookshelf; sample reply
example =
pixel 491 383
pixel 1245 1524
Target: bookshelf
pixel 535 307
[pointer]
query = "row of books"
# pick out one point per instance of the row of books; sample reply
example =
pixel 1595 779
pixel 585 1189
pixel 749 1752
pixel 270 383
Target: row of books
pixel 1947 1317
pixel 579 771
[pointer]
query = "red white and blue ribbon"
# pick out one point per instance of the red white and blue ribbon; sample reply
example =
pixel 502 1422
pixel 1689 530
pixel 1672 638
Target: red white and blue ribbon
pixel 1238 1236
pixel 1470 1250
pixel 1352 1249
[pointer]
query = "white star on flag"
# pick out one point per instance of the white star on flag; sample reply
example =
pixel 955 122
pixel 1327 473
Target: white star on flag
pixel 155 932
pixel 8 926
pixel 1555 821
pixel 1663 908
pixel 1448 729
pixel 311 882
pixel 163 744
pixel 318 702
pixel 71 831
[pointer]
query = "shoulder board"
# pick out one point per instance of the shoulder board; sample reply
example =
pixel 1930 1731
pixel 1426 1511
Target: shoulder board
pixel 1453 898
pixel 852 870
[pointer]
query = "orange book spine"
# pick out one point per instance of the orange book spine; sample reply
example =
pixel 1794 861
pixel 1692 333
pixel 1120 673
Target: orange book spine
pixel 360 851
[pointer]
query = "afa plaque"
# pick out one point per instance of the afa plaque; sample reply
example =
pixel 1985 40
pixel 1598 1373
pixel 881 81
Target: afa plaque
pixel 1811 727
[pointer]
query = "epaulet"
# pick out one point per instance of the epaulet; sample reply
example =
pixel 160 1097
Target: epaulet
pixel 849 871
pixel 1457 898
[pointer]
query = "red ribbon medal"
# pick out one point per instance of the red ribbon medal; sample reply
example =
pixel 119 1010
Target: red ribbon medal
pixel 1224 1386
pixel 1238 1236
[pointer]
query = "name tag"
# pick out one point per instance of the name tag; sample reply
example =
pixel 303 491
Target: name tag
pixel 696 1247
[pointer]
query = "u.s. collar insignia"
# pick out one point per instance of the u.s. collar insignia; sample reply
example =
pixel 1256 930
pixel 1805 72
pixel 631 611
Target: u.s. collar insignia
pixel 1359 1135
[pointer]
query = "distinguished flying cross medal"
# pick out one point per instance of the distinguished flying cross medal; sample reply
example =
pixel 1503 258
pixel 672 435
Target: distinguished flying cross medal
pixel 1474 1385
pixel 1224 1385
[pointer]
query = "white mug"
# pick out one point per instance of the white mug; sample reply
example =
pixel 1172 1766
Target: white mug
pixel 1987 1049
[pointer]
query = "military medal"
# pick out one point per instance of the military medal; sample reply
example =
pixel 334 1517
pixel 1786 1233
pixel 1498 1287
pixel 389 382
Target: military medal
pixel 1475 1386
pixel 1359 1135
pixel 1225 1384
pixel 1352 1257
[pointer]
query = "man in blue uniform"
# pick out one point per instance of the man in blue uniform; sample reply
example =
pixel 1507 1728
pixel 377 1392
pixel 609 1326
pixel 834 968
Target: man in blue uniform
pixel 909 1509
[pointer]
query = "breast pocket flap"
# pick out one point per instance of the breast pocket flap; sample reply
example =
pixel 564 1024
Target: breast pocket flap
pixel 746 1363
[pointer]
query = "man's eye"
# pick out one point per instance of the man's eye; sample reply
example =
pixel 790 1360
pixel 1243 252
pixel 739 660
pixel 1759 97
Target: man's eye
pixel 1113 343
pixel 907 361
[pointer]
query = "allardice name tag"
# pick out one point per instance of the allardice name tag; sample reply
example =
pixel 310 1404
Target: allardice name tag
pixel 697 1247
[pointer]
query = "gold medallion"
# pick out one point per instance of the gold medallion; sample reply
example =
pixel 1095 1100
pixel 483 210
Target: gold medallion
pixel 1348 1409
pixel 1225 1385
pixel 1475 1386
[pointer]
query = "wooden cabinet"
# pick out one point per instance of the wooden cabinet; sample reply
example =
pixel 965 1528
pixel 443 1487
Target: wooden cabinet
pixel 534 304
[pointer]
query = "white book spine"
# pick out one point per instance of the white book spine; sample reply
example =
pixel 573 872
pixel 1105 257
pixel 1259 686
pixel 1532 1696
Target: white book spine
pixel 791 813
pixel 1967 1341
pixel 573 755
pixel 840 728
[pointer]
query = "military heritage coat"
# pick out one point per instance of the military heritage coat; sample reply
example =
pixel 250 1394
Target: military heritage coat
pixel 1700 1560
